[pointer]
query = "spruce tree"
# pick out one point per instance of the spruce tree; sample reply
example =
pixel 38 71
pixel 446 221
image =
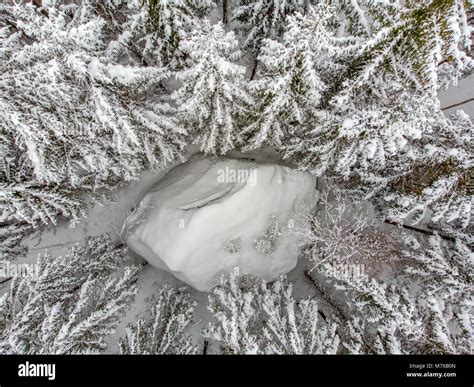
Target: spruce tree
pixel 212 96
pixel 70 304
pixel 294 326
pixel 234 305
pixel 162 330
pixel 444 271
pixel 72 120
pixel 155 29
pixel 255 317
pixel 379 130
pixel 291 79
pixel 260 19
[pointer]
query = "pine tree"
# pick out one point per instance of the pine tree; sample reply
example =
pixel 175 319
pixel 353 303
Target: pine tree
pixel 11 235
pixel 290 86
pixel 235 308
pixel 260 19
pixel 255 317
pixel 439 183
pixel 415 50
pixel 38 205
pixel 59 92
pixel 353 18
pixel 411 39
pixel 380 318
pixel 212 96
pixel 155 30
pixel 73 121
pixel 162 332
pixel 379 130
pixel 444 272
pixel 427 311
pixel 294 327
pixel 71 304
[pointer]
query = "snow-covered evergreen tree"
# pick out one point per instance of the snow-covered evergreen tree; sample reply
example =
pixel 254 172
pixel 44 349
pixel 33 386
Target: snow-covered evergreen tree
pixel 414 40
pixel 428 311
pixel 11 235
pixel 439 184
pixel 71 120
pixel 294 327
pixel 290 85
pixel 163 330
pixel 59 92
pixel 260 19
pixel 445 273
pixel 35 204
pixel 212 96
pixel 352 18
pixel 252 317
pixel 374 317
pixel 410 159
pixel 380 130
pixel 235 308
pixel 155 29
pixel 71 304
pixel 390 90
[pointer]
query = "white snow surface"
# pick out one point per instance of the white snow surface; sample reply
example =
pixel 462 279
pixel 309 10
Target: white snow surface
pixel 211 214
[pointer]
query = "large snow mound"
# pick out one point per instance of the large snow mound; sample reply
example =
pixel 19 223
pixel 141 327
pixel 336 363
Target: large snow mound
pixel 212 214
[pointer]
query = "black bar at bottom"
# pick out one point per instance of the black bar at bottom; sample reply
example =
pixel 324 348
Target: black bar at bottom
pixel 378 370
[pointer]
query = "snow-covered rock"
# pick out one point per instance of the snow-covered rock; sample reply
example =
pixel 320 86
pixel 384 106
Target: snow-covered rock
pixel 211 214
